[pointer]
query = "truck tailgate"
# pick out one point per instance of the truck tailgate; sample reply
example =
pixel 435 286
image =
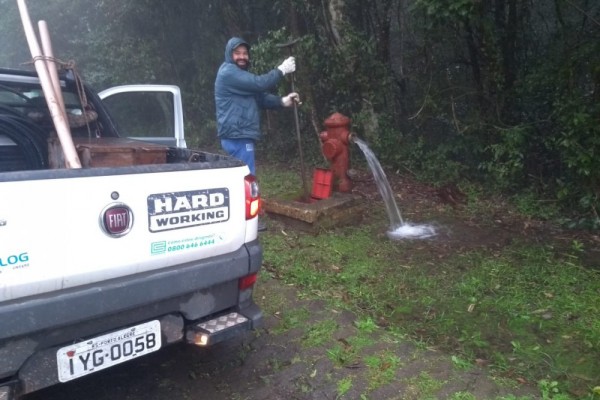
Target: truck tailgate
pixel 99 226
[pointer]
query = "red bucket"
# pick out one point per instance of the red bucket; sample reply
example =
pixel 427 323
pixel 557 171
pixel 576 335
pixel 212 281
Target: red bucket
pixel 322 181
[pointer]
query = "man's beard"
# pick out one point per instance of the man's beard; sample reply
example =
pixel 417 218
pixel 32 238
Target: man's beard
pixel 245 64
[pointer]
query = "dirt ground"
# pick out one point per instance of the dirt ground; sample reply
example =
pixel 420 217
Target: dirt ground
pixel 273 364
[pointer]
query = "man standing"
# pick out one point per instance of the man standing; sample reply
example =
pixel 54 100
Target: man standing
pixel 239 96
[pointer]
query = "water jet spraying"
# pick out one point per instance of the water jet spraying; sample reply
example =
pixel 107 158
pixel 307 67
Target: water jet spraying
pixel 398 228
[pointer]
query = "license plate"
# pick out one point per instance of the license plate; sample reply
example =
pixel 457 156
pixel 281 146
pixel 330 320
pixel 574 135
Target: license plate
pixel 104 351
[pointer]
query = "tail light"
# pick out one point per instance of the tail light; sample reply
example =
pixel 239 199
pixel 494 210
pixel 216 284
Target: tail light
pixel 247 281
pixel 252 197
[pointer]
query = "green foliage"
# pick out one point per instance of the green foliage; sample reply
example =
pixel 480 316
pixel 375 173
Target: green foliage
pixel 506 163
pixel 529 203
pixel 551 391
pixel 563 150
pixel 440 11
pixel 578 143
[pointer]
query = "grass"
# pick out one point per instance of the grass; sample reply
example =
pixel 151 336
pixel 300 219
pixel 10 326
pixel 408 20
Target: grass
pixel 423 386
pixel 293 319
pixel 343 386
pixel 319 333
pixel 382 368
pixel 527 311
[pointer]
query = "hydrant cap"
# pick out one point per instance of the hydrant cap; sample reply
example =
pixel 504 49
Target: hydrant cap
pixel 337 120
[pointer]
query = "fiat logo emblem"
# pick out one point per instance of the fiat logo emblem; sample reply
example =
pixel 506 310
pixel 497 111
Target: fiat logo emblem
pixel 116 220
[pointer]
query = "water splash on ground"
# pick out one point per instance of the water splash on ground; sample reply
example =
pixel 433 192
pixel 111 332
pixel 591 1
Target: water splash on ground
pixel 408 231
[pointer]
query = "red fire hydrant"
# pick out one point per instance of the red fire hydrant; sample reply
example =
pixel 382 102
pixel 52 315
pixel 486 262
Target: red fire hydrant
pixel 334 145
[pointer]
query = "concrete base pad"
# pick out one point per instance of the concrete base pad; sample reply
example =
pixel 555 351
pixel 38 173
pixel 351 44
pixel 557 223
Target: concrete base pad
pixel 338 210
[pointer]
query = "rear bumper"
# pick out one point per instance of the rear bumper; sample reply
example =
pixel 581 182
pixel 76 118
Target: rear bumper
pixel 181 297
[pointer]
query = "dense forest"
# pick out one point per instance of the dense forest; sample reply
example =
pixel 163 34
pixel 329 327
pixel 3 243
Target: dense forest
pixel 501 93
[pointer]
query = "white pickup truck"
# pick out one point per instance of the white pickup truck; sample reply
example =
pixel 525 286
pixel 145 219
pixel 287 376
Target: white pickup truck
pixel 104 264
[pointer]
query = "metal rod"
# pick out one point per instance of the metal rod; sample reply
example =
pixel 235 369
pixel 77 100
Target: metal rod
pixel 302 167
pixel 297 122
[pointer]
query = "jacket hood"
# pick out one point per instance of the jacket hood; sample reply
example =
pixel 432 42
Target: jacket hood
pixel 232 44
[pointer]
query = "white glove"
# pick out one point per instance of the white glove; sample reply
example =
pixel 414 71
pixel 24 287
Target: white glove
pixel 290 99
pixel 288 66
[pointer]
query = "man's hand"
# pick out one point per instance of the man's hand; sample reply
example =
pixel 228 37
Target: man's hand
pixel 290 99
pixel 288 66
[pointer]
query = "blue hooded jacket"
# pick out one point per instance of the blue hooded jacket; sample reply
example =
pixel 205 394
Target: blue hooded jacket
pixel 240 94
